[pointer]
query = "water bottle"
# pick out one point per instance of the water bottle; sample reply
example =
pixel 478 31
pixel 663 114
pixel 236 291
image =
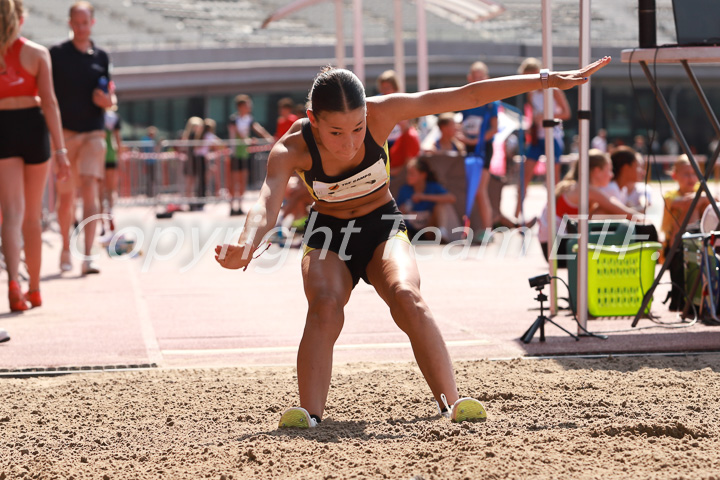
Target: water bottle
pixel 103 84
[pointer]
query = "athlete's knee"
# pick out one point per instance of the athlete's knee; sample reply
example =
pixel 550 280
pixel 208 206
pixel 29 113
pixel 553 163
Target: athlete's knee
pixel 325 315
pixel 406 301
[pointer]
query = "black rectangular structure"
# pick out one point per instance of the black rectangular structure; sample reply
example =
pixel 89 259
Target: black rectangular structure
pixel 697 22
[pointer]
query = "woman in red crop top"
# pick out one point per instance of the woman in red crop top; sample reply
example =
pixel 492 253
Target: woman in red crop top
pixel 28 109
pixel 355 229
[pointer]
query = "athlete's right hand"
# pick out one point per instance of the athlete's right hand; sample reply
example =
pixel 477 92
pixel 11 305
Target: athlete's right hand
pixel 234 256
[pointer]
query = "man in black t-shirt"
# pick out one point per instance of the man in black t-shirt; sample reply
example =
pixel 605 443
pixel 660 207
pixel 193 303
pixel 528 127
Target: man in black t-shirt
pixel 81 74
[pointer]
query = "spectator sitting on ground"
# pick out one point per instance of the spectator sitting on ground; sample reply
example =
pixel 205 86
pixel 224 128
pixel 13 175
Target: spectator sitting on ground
pixel 677 204
pixel 567 197
pixel 426 203
pixel 625 186
pixel 448 143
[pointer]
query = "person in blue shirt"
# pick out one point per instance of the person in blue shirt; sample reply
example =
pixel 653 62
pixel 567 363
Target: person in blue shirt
pixel 479 126
pixel 422 197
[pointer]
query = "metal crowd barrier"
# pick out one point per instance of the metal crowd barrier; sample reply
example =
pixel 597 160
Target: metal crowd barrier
pixel 152 173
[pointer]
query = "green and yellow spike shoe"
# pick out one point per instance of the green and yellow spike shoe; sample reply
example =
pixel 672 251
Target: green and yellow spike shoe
pixel 296 417
pixel 468 410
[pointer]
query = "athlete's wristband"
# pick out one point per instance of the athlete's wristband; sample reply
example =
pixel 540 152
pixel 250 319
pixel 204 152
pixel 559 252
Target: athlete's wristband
pixel 544 73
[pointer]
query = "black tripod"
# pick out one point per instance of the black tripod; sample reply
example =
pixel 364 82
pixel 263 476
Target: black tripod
pixel 541 319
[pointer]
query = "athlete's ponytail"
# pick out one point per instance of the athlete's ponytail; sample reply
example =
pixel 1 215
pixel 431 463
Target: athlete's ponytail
pixel 336 90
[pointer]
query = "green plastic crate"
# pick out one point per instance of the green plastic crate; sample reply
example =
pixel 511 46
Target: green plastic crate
pixel 610 232
pixel 618 277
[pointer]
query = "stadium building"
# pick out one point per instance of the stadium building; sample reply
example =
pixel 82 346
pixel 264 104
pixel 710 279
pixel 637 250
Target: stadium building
pixel 177 58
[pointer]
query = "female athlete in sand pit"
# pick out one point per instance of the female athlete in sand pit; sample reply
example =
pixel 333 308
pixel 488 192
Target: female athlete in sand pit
pixel 355 229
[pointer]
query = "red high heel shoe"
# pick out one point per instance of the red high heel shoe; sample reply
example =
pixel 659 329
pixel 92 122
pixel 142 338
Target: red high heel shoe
pixel 34 298
pixel 17 299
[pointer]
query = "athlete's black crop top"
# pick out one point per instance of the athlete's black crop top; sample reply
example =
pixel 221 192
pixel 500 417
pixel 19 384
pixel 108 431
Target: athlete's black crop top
pixel 372 173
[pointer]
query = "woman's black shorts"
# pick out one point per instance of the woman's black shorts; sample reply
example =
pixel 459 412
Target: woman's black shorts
pixel 356 244
pixel 23 133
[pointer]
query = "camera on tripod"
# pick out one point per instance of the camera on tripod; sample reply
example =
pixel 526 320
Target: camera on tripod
pixel 540 281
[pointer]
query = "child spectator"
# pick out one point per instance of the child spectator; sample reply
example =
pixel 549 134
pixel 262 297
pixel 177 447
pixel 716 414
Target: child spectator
pixel 448 142
pixel 241 125
pixel 677 204
pixel 626 164
pixel 423 200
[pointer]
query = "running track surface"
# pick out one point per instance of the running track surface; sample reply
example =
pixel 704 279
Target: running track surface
pixel 180 309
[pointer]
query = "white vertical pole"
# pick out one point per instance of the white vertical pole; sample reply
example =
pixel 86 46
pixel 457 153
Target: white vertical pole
pixel 422 48
pixel 549 114
pixel 358 46
pixel 399 45
pixel 584 178
pixel 339 35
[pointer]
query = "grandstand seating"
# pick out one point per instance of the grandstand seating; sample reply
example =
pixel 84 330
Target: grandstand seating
pixel 151 24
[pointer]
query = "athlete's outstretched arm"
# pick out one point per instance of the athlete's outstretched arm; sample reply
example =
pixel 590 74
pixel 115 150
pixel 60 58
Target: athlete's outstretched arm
pixel 433 102
pixel 262 216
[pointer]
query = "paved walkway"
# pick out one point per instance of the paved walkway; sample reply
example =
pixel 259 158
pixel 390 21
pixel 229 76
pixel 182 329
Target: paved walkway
pixel 177 308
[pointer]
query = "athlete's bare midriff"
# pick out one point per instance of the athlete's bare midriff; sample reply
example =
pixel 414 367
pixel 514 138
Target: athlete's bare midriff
pixel 19 103
pixel 357 207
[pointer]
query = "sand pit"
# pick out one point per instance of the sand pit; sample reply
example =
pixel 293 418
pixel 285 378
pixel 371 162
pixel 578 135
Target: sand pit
pixel 611 418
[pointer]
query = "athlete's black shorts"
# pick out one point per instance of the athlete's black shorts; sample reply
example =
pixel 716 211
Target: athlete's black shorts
pixel 23 133
pixel 360 246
